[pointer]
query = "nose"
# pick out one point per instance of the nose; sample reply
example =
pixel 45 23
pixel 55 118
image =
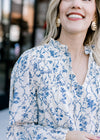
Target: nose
pixel 76 4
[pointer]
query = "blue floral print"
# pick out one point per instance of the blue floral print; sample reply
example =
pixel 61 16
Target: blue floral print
pixel 46 101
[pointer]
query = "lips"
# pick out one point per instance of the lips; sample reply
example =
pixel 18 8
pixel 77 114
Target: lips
pixel 75 15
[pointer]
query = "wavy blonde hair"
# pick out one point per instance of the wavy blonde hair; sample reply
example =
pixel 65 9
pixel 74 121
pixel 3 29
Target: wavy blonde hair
pixel 92 38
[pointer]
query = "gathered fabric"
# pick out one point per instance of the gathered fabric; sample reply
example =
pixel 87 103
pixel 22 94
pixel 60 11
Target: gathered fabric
pixel 46 101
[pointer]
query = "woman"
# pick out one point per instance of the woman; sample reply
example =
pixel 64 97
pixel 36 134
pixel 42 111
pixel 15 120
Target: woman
pixel 55 87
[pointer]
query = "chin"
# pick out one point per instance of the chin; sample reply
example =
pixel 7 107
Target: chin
pixel 76 30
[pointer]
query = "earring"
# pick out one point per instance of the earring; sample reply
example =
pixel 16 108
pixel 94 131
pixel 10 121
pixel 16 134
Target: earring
pixel 93 26
pixel 58 22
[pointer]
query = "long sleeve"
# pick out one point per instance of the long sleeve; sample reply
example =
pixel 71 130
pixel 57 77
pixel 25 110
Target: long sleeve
pixel 23 108
pixel 46 101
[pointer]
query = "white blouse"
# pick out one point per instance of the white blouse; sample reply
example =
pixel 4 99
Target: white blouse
pixel 46 100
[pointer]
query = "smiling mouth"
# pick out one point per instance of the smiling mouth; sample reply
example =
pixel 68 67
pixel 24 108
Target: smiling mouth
pixel 75 16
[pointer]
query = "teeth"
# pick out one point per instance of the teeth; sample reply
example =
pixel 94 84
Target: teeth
pixel 75 16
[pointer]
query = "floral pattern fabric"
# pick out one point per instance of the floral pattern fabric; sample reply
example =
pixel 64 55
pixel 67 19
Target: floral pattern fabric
pixel 46 100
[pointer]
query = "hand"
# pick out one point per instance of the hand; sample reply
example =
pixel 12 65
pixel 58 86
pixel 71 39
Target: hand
pixel 80 135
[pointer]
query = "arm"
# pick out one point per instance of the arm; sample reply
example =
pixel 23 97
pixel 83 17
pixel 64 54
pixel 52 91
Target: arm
pixel 23 123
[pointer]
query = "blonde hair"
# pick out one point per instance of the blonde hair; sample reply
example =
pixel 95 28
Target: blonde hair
pixel 92 38
pixel 51 29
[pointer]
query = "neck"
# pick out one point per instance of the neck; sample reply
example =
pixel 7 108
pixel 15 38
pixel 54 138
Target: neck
pixel 74 43
pixel 78 57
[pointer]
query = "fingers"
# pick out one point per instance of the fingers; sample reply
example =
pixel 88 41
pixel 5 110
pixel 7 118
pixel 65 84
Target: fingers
pixel 92 137
pixel 80 135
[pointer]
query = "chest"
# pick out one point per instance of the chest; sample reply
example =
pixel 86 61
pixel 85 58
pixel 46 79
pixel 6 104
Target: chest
pixel 80 67
pixel 58 86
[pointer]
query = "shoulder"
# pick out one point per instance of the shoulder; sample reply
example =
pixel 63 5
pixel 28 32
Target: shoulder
pixel 31 56
pixel 39 53
pixel 36 52
pixel 96 72
pixel 96 67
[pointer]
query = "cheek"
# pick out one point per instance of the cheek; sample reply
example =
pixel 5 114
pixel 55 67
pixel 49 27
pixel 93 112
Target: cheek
pixel 92 16
pixel 91 13
pixel 62 8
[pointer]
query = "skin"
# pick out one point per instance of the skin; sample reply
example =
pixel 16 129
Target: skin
pixel 84 7
pixel 73 33
pixel 78 135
